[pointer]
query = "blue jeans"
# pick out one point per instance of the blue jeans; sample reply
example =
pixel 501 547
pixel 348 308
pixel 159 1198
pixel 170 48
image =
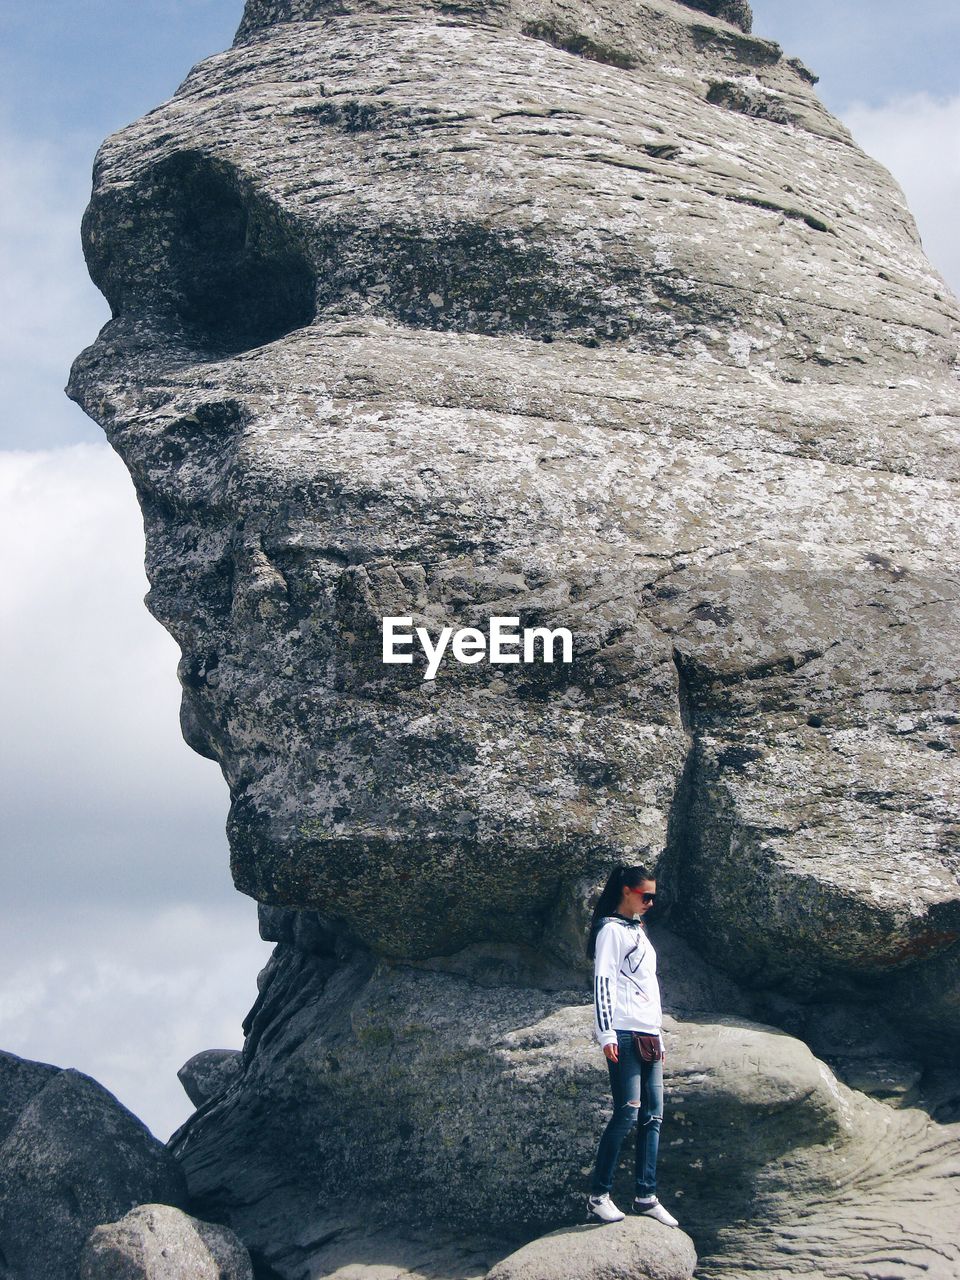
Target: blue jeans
pixel 637 1087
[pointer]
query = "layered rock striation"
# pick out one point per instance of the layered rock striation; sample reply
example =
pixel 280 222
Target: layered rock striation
pixel 472 1102
pixel 592 316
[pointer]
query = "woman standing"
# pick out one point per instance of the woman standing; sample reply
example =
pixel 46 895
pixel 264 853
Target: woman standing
pixel 627 1018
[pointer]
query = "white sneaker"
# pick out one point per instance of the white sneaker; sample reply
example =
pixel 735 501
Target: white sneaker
pixel 654 1209
pixel 602 1207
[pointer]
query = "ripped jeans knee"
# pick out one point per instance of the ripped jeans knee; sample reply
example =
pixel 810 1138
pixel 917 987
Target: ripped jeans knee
pixel 623 1119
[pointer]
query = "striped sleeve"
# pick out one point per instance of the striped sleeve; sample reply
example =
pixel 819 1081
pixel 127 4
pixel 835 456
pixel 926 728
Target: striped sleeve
pixel 605 964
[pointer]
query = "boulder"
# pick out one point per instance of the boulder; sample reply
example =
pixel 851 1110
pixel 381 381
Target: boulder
pixel 209 1072
pixel 635 1249
pixel 71 1157
pixel 160 1242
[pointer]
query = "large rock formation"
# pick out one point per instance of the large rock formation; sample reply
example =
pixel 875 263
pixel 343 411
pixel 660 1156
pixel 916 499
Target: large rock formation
pixel 587 314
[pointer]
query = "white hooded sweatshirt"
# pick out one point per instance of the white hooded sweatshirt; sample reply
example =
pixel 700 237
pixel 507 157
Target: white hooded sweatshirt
pixel 626 993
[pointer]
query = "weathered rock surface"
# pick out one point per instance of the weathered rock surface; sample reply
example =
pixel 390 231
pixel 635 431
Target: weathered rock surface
pixel 730 471
pixel 267 13
pixel 159 1242
pixel 635 1249
pixel 208 1072
pixel 590 315
pixel 71 1157
pixel 291 1234
pixel 464 1106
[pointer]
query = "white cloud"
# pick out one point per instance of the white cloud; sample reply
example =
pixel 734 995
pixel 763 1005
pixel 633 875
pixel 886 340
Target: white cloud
pixel 49 309
pixel 103 797
pixel 918 139
pixel 128 995
pixel 125 948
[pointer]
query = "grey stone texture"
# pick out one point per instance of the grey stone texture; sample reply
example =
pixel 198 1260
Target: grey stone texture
pixel 635 1249
pixel 208 1072
pixel 474 324
pixel 573 15
pixel 477 1108
pixel 71 1157
pixel 160 1242
pixel 592 315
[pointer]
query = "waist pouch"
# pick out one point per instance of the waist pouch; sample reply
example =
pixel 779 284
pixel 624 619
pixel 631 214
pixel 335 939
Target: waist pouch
pixel 648 1048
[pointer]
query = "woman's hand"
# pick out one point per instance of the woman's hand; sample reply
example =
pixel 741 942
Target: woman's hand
pixel 612 1051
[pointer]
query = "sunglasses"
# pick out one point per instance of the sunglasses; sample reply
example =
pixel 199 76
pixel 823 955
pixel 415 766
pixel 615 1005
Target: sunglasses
pixel 647 897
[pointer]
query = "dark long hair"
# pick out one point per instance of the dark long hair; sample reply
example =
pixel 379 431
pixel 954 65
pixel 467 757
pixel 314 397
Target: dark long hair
pixel 620 878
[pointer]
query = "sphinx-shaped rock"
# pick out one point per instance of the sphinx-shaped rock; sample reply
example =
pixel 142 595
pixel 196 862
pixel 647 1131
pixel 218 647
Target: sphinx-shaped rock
pixel 590 316
pixel 487 322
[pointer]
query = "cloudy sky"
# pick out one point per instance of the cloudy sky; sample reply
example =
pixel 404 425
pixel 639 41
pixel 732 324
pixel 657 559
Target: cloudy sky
pixel 125 948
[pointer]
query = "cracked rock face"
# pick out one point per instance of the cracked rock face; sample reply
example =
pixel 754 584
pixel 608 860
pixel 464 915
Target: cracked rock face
pixel 590 316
